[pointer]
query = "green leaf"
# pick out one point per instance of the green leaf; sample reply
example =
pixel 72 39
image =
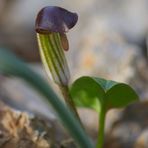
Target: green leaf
pixel 105 84
pixel 87 93
pixel 11 65
pixel 120 95
pixel 92 92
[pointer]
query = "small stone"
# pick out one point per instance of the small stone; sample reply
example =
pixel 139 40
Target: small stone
pixel 142 140
pixel 16 130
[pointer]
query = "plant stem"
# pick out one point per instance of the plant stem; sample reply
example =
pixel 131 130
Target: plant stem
pixel 69 101
pixel 17 68
pixel 100 140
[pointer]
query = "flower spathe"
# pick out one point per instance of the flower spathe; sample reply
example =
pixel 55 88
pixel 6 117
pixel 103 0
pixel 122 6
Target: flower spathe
pixel 51 25
pixel 55 19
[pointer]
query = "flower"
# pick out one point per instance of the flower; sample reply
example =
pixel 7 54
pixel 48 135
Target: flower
pixel 55 19
pixel 52 24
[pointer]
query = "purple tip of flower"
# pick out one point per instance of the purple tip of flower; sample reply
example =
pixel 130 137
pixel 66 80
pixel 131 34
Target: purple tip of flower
pixel 55 19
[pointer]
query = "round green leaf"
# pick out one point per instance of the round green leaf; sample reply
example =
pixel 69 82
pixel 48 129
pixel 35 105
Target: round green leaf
pixel 120 95
pixel 93 92
pixel 87 93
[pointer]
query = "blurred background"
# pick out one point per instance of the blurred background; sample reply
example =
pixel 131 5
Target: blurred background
pixel 110 40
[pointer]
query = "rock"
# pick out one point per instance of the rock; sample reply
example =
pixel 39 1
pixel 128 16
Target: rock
pixel 16 130
pixel 24 98
pixel 127 17
pixel 142 140
pixel 130 129
pixel 104 53
pixel 140 79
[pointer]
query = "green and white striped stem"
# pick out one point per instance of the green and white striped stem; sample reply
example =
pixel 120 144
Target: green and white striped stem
pixel 53 58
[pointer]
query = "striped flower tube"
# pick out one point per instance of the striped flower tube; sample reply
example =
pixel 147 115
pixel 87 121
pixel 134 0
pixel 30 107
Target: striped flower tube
pixel 52 23
pixel 53 57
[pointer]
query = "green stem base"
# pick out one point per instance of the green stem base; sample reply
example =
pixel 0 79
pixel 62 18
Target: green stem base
pixel 69 101
pixel 100 140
